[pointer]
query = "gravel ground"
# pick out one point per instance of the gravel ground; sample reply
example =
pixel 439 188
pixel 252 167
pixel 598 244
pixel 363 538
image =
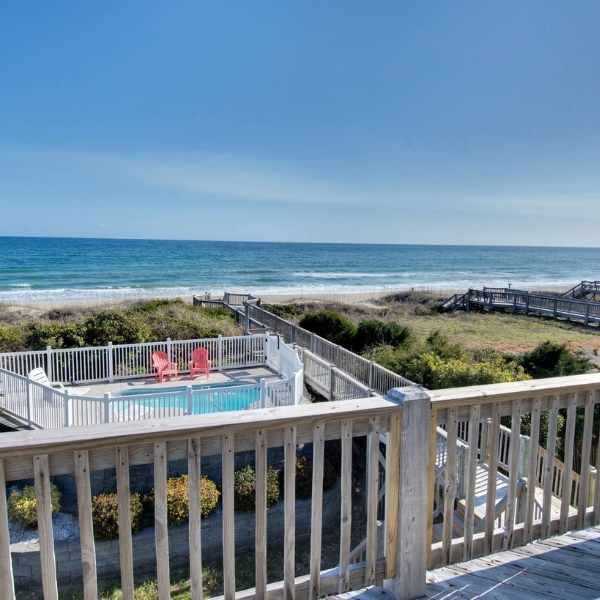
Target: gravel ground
pixel 64 527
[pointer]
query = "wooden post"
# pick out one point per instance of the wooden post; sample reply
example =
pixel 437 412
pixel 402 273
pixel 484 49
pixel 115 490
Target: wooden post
pixel 587 314
pixel 6 572
pixel 554 311
pixel 469 300
pixel 107 407
pixel 246 318
pixel 413 507
pixel 169 349
pixel 527 304
pixel 189 396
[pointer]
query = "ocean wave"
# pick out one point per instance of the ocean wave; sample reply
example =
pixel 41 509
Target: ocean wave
pixel 19 285
pixel 342 275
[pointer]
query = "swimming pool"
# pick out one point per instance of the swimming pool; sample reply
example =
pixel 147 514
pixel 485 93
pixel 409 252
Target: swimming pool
pixel 206 398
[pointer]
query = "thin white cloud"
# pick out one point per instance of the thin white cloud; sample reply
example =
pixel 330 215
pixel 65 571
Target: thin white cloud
pixel 233 177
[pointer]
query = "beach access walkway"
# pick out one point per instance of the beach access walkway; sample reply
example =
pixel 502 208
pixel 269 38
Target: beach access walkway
pixel 519 301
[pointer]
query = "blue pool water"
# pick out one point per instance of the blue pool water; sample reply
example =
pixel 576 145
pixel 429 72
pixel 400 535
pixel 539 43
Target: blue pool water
pixel 205 398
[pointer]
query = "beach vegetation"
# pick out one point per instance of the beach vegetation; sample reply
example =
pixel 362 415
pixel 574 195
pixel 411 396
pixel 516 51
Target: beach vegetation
pixel 285 311
pixel 550 359
pixel 37 336
pixel 330 325
pixel 374 332
pixel 110 326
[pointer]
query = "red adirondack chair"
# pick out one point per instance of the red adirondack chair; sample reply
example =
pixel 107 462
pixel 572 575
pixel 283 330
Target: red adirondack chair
pixel 162 365
pixel 199 362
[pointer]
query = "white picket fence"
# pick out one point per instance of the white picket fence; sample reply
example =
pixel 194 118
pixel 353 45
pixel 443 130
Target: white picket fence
pixel 45 407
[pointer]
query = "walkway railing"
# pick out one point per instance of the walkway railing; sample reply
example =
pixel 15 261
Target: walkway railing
pixel 587 311
pixel 373 376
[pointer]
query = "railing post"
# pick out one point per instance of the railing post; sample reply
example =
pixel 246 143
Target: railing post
pixel 29 407
pixel 49 363
pixel 469 300
pixel 527 304
pixel 189 393
pixel 587 314
pixel 555 310
pixel 220 352
pixel 246 318
pixel 263 392
pixel 312 343
pixel 107 407
pixel 169 349
pixel 371 375
pixel 331 383
pixel 111 375
pixel 66 407
pixel 413 502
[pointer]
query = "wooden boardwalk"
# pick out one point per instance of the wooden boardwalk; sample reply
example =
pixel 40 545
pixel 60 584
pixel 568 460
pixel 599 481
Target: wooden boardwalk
pixel 565 567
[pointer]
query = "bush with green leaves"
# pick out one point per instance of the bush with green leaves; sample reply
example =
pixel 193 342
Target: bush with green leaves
pixel 244 485
pixel 178 499
pixel 110 326
pixel 550 359
pixel 58 335
pixel 285 311
pixel 330 325
pixel 22 506
pixel 105 515
pixel 374 332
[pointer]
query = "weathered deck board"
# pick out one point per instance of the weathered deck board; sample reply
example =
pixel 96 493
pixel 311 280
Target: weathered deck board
pixel 559 567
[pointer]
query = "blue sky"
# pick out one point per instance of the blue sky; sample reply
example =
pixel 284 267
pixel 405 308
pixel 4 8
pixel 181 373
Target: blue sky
pixel 394 122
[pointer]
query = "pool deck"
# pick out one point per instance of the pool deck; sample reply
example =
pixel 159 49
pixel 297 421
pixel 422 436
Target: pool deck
pixel 149 384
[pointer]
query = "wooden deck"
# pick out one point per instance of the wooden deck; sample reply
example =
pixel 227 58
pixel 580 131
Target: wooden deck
pixel 563 567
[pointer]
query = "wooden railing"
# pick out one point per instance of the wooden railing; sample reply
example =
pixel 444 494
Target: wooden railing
pixel 521 522
pixel 516 300
pixel 368 373
pixel 82 451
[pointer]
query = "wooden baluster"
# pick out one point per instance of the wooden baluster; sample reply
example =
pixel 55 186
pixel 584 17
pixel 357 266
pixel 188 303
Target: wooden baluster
pixel 86 526
pixel 490 511
pixel 161 533
pixel 549 467
pixel 392 480
pixel 194 491
pixel 432 488
pixel 567 479
pixel 450 477
pixel 474 417
pixel 346 507
pixel 371 493
pixel 289 562
pixel 533 466
pixel 513 461
pixel 41 473
pixel 6 572
pixel 227 456
pixel 586 450
pixel 317 511
pixel 261 514
pixel 124 509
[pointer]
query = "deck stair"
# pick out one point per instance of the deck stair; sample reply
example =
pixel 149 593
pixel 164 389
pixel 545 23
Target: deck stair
pixel 585 290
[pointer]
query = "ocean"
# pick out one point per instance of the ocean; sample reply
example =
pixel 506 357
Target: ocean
pixel 69 269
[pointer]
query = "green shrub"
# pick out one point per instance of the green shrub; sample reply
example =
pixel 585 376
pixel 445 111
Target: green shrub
pixel 105 515
pixel 109 326
pixel 374 332
pixel 435 372
pixel 244 483
pixel 178 500
pixel 11 339
pixel 58 335
pixel 285 311
pixel 22 506
pixel 304 473
pixel 330 325
pixel 551 359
